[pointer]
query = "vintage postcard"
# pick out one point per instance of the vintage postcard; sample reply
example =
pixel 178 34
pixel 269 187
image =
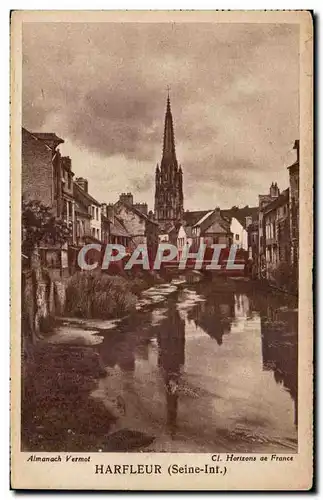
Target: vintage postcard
pixel 162 247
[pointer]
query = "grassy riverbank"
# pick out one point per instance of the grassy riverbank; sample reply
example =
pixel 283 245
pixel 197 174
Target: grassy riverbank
pixel 58 412
pixel 99 295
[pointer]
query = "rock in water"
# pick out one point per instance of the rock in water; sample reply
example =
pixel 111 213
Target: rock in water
pixel 127 440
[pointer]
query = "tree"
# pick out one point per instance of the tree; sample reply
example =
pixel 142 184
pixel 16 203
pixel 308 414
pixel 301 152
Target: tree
pixel 39 225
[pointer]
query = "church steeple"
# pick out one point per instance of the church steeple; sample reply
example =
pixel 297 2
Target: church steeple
pixel 169 178
pixel 169 153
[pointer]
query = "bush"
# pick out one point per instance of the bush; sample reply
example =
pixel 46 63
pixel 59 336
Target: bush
pixel 96 295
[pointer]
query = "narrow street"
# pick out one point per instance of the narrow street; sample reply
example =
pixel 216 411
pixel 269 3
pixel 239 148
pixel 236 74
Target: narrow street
pixel 201 369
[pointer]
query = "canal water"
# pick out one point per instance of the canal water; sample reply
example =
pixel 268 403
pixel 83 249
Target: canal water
pixel 205 370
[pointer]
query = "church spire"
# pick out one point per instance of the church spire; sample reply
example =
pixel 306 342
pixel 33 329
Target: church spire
pixel 169 178
pixel 169 140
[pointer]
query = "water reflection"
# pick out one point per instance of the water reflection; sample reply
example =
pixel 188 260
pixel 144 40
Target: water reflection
pixel 122 345
pixel 280 351
pixel 191 383
pixel 215 315
pixel 171 359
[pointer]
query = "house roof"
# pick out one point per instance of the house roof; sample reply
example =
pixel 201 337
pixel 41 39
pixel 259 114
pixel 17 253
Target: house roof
pixel 208 221
pixel 282 199
pixel 191 218
pixel 79 191
pixel 136 211
pixel 203 218
pixel 117 228
pixel 89 237
pixel 79 209
pixel 294 165
pixel 166 227
pixel 49 138
pixel 199 216
pixel 241 213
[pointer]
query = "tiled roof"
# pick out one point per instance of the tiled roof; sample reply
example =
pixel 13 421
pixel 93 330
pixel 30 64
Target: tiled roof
pixel 221 221
pixel 166 227
pixel 204 217
pixel 48 137
pixel 277 202
pixel 82 211
pixel 191 218
pixel 137 212
pixel 194 217
pixel 79 191
pixel 89 237
pixel 294 165
pixel 241 213
pixel 118 229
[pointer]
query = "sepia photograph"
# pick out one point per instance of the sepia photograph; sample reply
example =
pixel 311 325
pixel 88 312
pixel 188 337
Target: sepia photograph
pixel 160 194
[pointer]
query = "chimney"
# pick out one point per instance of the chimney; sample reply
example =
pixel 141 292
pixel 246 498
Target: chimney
pixel 248 221
pixel 104 210
pixel 296 146
pixel 142 207
pixel 126 198
pixel 82 183
pixel 274 190
pixel 110 212
pixel 66 162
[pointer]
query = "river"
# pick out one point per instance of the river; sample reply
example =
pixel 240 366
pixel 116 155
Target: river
pixel 204 370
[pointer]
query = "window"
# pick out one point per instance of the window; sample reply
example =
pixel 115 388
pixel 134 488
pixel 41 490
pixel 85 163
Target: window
pixel 237 237
pixel 70 207
pixel 65 210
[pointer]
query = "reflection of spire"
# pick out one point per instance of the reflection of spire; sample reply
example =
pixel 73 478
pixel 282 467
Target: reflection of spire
pixel 171 358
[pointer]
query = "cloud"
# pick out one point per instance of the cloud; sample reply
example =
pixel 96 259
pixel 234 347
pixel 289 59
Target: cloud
pixel 142 184
pixel 102 87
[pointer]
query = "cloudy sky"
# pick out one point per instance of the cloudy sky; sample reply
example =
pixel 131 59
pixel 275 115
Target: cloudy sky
pixel 102 88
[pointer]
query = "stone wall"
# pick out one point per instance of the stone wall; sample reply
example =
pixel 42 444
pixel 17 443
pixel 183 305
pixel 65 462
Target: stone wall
pixel 42 299
pixel 37 170
pixel 134 224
